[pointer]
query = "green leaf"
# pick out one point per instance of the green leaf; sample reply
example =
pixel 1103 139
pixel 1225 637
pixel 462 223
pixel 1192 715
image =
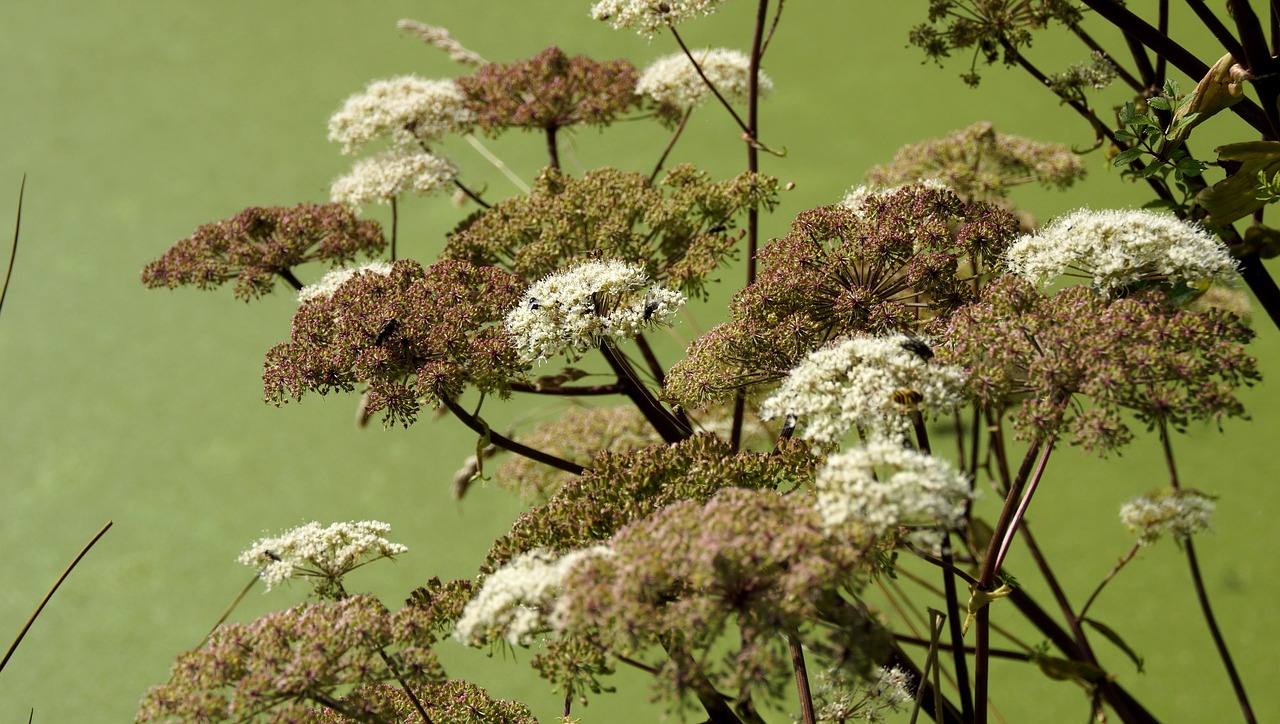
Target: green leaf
pixel 1159 103
pixel 1123 135
pixel 1152 169
pixel 1191 166
pixel 1126 113
pixel 1124 157
pixel 1114 638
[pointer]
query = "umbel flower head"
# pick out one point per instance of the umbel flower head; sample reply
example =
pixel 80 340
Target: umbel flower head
pixel 448 701
pixel 518 601
pixel 1177 512
pixel 323 554
pixel 1119 249
pixel 286 663
pixel 902 258
pixel 980 164
pixel 1138 353
pixel 865 381
pixel 413 335
pixel 624 487
pixel 673 79
pixel 838 697
pixel 987 31
pixel 549 90
pixel 734 576
pixel 679 230
pixel 260 243
pixel 648 17
pixel 585 306
pixel 874 490
pixel 384 177
pixel 411 110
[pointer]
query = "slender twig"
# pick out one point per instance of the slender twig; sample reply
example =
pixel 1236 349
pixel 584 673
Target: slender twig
pixel 1120 16
pixel 413 698
pixel 49 595
pixel 995 653
pixel 802 679
pixel 777 15
pixel 930 664
pixel 746 129
pixel 1215 26
pixel 1023 504
pixel 657 167
pixel 13 252
pixel 1162 24
pixel 287 275
pixel 508 444
pixel 1084 610
pixel 571 390
pixel 664 422
pixel 497 163
pixel 395 225
pixel 471 194
pixel 959 663
pixel 227 611
pixel 1202 593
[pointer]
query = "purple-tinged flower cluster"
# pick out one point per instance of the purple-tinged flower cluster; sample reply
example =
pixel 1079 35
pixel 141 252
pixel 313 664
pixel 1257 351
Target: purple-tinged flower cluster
pixel 722 583
pixel 549 90
pixel 679 230
pixel 624 487
pixel 1139 353
pixel 899 260
pixel 413 336
pixel 261 243
pixel 284 664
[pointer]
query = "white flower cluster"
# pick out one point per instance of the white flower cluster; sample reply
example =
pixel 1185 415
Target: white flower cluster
pixel 577 309
pixel 385 176
pixel 518 601
pixel 875 489
pixel 673 79
pixel 329 283
pixel 310 551
pixel 854 197
pixel 1120 247
pixel 870 382
pixel 408 108
pixel 839 697
pixel 1179 512
pixel 648 17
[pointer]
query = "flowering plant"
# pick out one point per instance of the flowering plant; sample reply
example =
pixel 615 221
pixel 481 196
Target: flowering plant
pixel 730 530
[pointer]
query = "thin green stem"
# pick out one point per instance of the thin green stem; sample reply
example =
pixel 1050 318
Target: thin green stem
pixel 27 626
pixel 13 252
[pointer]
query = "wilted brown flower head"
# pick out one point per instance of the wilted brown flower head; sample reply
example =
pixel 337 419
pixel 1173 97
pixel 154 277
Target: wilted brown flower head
pixel 260 243
pixel 980 164
pixel 724 581
pixel 550 90
pixel 898 260
pixel 413 335
pixel 284 664
pixel 624 487
pixel 1138 353
pixel 991 30
pixel 679 236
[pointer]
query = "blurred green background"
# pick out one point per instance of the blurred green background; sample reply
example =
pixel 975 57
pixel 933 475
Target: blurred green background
pixel 138 120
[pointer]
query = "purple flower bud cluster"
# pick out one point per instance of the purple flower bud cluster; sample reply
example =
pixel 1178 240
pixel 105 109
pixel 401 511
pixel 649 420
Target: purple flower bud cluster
pixel 413 335
pixel 260 243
